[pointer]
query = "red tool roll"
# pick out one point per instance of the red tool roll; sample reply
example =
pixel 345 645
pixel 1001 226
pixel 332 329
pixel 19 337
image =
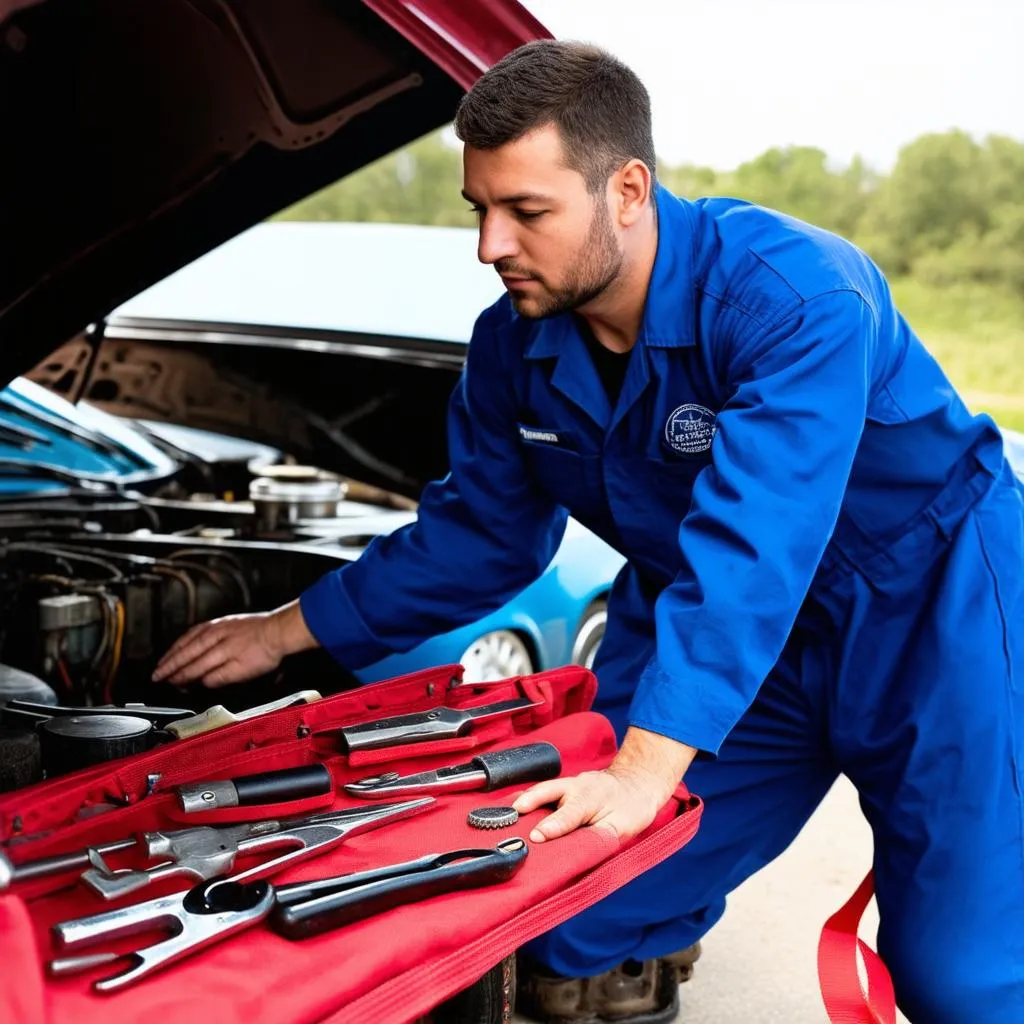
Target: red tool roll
pixel 390 968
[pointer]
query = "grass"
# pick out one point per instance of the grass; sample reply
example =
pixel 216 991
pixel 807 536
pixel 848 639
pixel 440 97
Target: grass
pixel 977 334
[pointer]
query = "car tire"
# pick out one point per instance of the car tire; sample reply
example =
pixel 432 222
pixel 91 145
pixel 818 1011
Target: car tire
pixel 501 654
pixel 589 633
pixel 491 1000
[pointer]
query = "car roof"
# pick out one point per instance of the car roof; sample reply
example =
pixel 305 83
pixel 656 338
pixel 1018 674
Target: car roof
pixel 399 280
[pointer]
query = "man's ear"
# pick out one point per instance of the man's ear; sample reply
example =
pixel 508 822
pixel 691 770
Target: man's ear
pixel 631 191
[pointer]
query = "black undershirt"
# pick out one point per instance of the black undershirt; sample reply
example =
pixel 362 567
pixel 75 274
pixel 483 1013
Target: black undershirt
pixel 611 366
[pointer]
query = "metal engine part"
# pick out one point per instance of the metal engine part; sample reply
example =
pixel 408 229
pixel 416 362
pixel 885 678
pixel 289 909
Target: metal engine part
pixel 71 629
pixel 284 495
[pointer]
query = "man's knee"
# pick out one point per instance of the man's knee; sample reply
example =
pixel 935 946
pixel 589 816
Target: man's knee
pixel 599 939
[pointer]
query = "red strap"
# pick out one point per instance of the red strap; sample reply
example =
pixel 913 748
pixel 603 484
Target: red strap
pixel 845 1000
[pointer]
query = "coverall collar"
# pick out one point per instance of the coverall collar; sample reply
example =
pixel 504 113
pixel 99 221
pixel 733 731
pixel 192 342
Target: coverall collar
pixel 668 322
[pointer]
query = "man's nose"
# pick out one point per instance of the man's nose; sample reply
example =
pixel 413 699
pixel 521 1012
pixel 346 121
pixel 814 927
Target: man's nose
pixel 496 241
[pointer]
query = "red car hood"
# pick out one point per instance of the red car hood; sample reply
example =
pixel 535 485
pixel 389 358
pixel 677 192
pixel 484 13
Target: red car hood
pixel 146 132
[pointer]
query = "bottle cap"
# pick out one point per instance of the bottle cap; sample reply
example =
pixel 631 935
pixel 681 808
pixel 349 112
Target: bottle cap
pixel 493 817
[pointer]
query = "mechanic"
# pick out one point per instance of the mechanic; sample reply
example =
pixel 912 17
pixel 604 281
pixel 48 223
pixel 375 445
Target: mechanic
pixel 824 549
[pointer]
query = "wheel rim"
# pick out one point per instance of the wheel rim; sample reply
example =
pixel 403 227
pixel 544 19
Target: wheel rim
pixel 588 639
pixel 497 655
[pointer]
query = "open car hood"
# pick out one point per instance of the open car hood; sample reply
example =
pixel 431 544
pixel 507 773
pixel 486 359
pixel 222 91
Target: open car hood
pixel 142 134
pixel 327 341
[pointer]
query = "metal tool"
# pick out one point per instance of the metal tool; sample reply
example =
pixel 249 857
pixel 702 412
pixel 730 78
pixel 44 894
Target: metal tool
pixel 211 910
pixel 531 762
pixel 195 853
pixel 439 723
pixel 207 913
pixel 262 788
pixel 198 853
pixel 311 908
pixel 218 716
pixel 43 866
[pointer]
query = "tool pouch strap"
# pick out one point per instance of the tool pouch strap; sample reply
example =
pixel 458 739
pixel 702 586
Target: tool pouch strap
pixel 846 1002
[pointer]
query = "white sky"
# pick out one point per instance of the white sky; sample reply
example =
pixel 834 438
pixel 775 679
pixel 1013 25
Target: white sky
pixel 731 78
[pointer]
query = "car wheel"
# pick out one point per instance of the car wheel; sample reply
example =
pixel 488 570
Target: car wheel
pixel 498 655
pixel 590 634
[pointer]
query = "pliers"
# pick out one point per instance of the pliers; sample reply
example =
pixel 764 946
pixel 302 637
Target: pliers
pixel 201 852
pixel 213 909
pixel 311 908
pixel 216 909
pixel 531 762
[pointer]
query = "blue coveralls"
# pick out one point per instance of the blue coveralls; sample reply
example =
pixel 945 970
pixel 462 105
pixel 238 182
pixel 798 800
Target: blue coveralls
pixel 824 575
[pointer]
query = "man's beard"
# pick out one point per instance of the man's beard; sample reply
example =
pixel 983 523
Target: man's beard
pixel 594 268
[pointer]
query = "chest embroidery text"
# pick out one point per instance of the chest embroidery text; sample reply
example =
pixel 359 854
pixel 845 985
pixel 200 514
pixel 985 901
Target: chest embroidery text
pixel 537 435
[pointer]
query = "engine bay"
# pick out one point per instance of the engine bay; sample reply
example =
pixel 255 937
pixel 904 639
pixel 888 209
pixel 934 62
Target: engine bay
pixel 96 583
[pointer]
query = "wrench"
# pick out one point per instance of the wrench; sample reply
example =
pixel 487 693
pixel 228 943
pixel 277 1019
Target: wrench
pixel 211 910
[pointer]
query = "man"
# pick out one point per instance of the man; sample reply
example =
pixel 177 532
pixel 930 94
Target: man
pixel 824 547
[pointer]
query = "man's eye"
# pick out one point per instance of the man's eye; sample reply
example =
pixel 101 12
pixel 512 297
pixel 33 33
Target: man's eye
pixel 478 210
pixel 530 214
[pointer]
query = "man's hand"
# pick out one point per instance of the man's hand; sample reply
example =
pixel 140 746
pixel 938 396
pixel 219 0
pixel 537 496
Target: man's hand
pixel 623 799
pixel 235 648
pixel 620 805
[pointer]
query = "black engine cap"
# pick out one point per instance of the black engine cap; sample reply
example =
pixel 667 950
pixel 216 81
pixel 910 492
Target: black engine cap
pixel 493 817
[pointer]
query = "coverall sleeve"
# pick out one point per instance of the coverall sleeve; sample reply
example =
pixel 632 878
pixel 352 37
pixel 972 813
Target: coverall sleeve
pixel 760 517
pixel 482 534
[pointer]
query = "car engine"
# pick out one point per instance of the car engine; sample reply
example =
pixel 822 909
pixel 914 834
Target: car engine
pixel 97 582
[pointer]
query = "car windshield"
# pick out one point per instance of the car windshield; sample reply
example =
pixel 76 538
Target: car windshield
pixel 47 444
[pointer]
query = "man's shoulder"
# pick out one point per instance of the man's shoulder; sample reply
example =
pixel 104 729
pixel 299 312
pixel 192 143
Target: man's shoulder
pixel 768 262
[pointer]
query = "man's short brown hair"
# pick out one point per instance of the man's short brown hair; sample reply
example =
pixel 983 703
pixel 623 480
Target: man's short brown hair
pixel 600 107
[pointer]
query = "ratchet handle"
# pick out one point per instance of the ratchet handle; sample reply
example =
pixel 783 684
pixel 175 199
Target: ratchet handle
pixel 531 762
pixel 354 897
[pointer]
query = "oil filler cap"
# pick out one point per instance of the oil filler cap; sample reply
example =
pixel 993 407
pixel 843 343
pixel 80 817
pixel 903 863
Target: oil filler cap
pixel 493 817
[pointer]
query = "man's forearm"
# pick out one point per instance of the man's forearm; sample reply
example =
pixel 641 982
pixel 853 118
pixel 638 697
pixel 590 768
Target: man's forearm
pixel 662 760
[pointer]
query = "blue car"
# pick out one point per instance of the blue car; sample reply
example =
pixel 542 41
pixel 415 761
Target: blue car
pixel 264 413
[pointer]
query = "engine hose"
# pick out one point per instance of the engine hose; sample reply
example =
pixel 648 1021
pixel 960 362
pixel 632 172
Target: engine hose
pixel 212 575
pixel 67 553
pixel 186 581
pixel 233 568
pixel 115 655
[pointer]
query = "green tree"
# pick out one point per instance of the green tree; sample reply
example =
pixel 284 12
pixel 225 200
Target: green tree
pixel 797 180
pixel 935 195
pixel 951 210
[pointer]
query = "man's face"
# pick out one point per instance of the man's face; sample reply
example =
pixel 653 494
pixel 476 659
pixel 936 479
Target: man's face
pixel 551 241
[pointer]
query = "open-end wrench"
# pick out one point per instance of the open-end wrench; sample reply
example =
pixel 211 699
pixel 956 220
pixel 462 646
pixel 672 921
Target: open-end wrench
pixel 211 910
